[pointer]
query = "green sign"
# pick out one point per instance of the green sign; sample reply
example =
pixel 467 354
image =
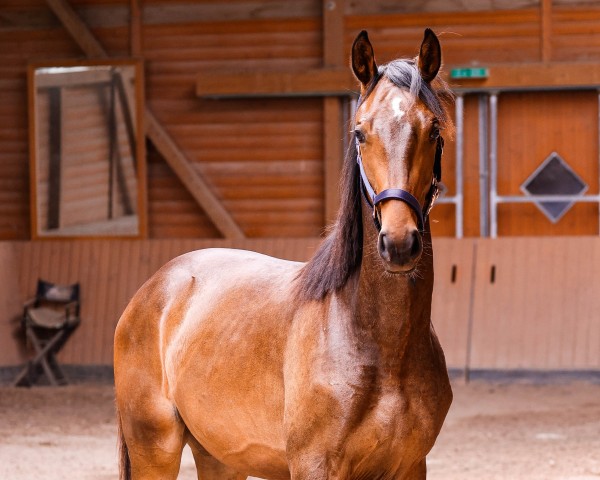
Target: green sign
pixel 470 72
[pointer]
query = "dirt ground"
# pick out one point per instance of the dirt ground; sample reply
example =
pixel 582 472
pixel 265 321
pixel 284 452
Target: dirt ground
pixel 493 431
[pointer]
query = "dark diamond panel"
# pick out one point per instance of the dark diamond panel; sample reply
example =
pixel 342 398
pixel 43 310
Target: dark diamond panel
pixel 554 177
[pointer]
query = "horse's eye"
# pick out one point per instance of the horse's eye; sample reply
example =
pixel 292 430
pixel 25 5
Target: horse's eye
pixel 360 136
pixel 435 133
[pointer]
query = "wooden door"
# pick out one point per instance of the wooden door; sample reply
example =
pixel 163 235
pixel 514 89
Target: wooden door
pixel 532 126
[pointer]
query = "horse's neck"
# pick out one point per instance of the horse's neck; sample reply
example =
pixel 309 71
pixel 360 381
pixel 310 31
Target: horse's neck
pixel 394 310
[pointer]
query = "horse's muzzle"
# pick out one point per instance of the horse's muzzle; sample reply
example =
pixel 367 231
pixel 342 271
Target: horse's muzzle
pixel 400 254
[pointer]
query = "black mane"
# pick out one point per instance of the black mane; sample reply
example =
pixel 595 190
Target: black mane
pixel 340 254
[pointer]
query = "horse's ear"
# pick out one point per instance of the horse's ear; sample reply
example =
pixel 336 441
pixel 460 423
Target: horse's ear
pixel 430 56
pixel 363 59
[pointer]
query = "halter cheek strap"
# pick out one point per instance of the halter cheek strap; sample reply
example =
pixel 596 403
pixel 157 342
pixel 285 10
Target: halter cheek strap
pixel 399 194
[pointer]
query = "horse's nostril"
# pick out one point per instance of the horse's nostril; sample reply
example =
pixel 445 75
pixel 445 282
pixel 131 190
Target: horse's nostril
pixel 415 248
pixel 403 252
pixel 383 247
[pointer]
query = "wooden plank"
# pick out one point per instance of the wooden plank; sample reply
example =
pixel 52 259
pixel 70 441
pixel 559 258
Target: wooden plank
pixel 333 141
pixel 546 30
pixel 450 311
pixel 373 7
pixel 135 28
pixel 213 12
pixel 10 302
pixel 531 75
pixel 239 84
pixel 333 33
pixel 333 121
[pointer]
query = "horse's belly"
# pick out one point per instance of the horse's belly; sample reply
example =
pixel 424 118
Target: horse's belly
pixel 238 429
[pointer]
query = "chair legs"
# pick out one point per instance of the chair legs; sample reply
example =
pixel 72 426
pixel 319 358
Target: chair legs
pixel 45 357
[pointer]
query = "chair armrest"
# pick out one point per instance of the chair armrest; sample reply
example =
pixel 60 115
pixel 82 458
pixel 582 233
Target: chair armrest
pixel 72 311
pixel 29 303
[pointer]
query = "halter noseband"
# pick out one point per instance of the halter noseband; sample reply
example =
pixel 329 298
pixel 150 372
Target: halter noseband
pixel 373 199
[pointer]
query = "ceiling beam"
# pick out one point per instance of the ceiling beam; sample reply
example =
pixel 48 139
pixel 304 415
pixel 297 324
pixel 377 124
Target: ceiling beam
pixel 530 76
pixel 322 82
pixel 334 135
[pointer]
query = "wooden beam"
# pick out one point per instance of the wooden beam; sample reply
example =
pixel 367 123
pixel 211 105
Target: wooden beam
pixel 157 134
pixel 333 33
pixel 546 30
pixel 542 76
pixel 135 28
pixel 77 28
pixel 333 121
pixel 315 83
pixel 190 178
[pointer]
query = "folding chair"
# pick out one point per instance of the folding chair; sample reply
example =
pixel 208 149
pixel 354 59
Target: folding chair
pixel 49 319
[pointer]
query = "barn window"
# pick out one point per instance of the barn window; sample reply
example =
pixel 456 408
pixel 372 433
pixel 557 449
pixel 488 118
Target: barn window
pixel 554 177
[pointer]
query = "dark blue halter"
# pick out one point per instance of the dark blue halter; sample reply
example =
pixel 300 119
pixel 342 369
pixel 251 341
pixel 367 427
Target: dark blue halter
pixel 373 199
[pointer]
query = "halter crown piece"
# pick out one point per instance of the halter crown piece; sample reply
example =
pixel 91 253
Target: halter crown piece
pixel 374 199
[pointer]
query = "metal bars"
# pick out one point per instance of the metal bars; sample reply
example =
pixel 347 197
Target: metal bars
pixel 458 198
pixel 488 163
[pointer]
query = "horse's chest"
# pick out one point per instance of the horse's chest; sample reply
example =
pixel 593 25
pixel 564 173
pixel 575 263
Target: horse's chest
pixel 398 431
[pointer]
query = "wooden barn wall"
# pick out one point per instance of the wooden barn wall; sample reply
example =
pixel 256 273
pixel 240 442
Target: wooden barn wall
pixel 262 158
pixel 508 304
pixel 109 272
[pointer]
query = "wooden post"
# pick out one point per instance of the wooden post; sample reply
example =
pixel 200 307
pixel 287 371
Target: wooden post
pixel 333 132
pixel 546 30
pixel 135 28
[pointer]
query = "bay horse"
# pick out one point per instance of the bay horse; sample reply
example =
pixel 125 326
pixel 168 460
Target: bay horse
pixel 324 370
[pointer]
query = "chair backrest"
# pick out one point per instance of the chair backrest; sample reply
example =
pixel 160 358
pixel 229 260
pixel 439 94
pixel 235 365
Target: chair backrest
pixel 52 292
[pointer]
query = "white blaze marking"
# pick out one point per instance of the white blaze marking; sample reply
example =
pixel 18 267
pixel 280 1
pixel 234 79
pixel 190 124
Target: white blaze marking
pixel 398 112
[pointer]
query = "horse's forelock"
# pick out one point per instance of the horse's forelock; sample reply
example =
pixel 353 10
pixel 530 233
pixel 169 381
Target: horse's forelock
pixel 435 96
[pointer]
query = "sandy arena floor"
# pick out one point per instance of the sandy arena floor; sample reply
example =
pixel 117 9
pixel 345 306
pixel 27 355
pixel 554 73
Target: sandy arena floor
pixel 494 431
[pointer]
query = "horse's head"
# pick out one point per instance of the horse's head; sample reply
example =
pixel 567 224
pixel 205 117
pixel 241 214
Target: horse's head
pixel 397 133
